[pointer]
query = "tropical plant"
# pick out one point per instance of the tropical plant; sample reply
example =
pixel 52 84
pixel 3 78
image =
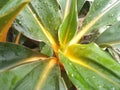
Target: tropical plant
pixel 67 58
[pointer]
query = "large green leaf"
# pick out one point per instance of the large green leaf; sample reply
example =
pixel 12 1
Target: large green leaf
pixel 111 35
pixel 12 55
pixel 40 20
pixel 39 75
pixel 90 68
pixel 69 24
pixel 102 13
pixel 8 11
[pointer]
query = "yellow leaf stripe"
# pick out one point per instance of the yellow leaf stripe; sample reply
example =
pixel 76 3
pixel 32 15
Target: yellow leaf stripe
pixel 88 26
pixel 45 31
pixel 45 74
pixel 79 61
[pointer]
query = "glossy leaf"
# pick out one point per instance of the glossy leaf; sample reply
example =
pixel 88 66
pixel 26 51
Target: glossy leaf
pixel 69 24
pixel 8 11
pixel 12 55
pixel 111 35
pixel 39 75
pixel 102 13
pixel 91 68
pixel 40 21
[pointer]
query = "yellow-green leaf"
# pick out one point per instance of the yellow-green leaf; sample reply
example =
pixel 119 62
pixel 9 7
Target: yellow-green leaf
pixel 69 24
pixel 91 68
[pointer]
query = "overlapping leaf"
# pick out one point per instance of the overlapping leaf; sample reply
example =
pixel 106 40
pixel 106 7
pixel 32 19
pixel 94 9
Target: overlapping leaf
pixel 111 35
pixel 40 21
pixel 8 11
pixel 102 13
pixel 12 55
pixel 91 68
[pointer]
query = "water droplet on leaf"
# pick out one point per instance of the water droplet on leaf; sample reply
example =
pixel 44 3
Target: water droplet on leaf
pixel 118 18
pixel 113 88
pixel 34 15
pixel 100 86
pixel 72 75
pixel 79 89
pixel 70 63
pixel 93 77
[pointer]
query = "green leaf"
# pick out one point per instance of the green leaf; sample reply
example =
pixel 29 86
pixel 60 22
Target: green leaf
pixel 91 68
pixel 40 20
pixel 69 24
pixel 111 35
pixel 8 11
pixel 39 75
pixel 102 13
pixel 12 55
